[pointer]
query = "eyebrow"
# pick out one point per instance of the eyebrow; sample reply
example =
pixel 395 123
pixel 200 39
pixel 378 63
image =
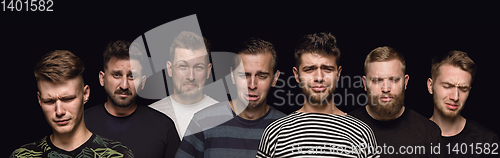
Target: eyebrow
pixel 322 66
pixel 61 98
pixel 455 85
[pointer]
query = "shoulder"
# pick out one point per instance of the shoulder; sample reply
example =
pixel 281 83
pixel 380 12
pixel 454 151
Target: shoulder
pixel 275 113
pixel 94 109
pixel 34 149
pixel 163 103
pixel 359 112
pixel 480 129
pixel 209 100
pixel 217 109
pixel 152 114
pixel 417 119
pixel 113 145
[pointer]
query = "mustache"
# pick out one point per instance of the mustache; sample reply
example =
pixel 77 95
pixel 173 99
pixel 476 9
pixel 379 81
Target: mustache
pixel 120 91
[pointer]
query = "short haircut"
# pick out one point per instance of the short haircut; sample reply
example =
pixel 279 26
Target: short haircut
pixel 457 59
pixel 319 43
pixel 191 41
pixel 58 66
pixel 122 50
pixel 385 53
pixel 254 46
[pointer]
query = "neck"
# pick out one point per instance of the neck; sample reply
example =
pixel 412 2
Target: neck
pixel 186 100
pixel 325 108
pixel 378 117
pixel 71 141
pixel 449 126
pixel 119 111
pixel 249 113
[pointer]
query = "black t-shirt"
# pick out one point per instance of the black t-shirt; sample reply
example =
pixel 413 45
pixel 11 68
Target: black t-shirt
pixel 95 146
pixel 473 141
pixel 410 135
pixel 147 132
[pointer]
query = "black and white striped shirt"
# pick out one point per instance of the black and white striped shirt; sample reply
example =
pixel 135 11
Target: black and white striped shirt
pixel 317 135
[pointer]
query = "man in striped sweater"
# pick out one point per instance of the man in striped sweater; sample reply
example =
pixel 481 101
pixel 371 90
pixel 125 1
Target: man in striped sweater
pixel 319 128
pixel 234 128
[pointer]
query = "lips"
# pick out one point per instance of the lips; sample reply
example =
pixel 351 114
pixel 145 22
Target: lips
pixel 318 88
pixel 62 122
pixel 252 97
pixel 386 99
pixel 451 106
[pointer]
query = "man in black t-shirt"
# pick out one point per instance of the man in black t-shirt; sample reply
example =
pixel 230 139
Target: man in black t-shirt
pixel 145 131
pixel 62 95
pixel 450 86
pixel 400 131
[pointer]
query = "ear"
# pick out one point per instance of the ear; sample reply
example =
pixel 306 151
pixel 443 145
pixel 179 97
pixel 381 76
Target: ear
pixel 86 94
pixel 101 78
pixel 232 75
pixel 429 85
pixel 209 70
pixel 296 74
pixel 364 82
pixel 39 99
pixel 169 68
pixel 338 73
pixel 275 79
pixel 407 77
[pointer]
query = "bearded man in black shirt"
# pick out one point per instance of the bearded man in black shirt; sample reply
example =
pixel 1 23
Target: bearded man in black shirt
pixel 400 131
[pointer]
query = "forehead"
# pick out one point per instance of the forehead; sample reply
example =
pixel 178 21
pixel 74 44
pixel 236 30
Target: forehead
pixel 62 88
pixel 116 64
pixel 385 68
pixel 182 54
pixel 452 74
pixel 256 62
pixel 316 59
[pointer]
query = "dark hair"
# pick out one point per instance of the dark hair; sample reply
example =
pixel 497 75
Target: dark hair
pixel 254 46
pixel 189 40
pixel 454 58
pixel 384 53
pixel 320 43
pixel 58 65
pixel 122 50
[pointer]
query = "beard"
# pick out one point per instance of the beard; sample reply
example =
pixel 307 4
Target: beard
pixel 188 93
pixel 444 110
pixel 318 98
pixel 386 109
pixel 122 102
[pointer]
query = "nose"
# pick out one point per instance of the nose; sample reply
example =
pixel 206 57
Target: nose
pixel 319 76
pixel 125 83
pixel 252 82
pixel 386 86
pixel 59 108
pixel 454 94
pixel 191 76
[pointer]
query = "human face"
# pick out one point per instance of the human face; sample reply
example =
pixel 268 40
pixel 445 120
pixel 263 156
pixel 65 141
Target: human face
pixel 62 103
pixel 385 83
pixel 317 76
pixel 253 78
pixel 450 90
pixel 121 81
pixel 189 71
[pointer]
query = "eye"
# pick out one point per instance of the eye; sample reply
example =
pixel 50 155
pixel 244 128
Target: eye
pixel 48 101
pixel 447 86
pixel 131 77
pixel 464 89
pixel 116 75
pixel 263 76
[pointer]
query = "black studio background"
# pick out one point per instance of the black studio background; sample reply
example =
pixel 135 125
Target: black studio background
pixel 85 28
